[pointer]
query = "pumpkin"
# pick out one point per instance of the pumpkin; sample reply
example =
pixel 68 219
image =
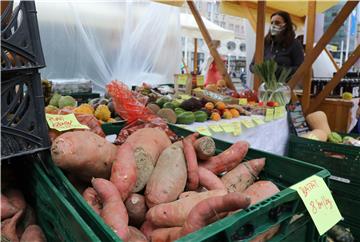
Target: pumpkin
pixel 318 120
pixel 316 134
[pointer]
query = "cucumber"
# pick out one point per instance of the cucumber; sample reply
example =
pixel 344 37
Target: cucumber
pixel 200 116
pixel 186 118
pixel 161 101
pixel 179 111
pixel 169 105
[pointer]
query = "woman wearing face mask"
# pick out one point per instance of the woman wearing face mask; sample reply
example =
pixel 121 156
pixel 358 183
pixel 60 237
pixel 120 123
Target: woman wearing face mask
pixel 281 45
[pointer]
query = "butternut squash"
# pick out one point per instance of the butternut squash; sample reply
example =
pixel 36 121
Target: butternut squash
pixel 318 120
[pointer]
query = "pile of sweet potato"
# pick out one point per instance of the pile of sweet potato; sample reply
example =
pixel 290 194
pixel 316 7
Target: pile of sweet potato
pixel 149 189
pixel 18 221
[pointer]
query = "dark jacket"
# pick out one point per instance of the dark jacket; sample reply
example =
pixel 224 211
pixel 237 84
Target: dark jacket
pixel 290 57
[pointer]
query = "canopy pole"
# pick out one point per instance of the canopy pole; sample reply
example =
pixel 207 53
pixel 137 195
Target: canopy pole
pixel 260 31
pixel 213 51
pixel 249 16
pixel 324 40
pixel 185 66
pixel 332 59
pixel 336 79
pixel 310 32
pixel 195 55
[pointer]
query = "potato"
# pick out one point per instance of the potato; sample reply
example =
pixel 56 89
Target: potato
pixel 136 207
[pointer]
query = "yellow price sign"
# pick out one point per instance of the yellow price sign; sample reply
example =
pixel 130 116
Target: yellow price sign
pixel 203 130
pixel 64 122
pixel 269 115
pixel 227 127
pixel 200 81
pixel 182 79
pixel 258 120
pixel 243 101
pixel 319 202
pixel 216 128
pixel 248 123
pixel 237 128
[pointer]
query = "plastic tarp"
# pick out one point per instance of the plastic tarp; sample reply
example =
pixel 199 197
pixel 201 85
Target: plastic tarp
pixel 189 28
pixel 131 41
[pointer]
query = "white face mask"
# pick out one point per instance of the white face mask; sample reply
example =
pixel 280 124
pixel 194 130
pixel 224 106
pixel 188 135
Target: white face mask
pixel 275 29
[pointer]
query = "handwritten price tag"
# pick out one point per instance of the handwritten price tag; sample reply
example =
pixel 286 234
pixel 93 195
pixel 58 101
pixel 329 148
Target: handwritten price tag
pixel 319 202
pixel 203 130
pixel 258 120
pixel 269 115
pixel 64 122
pixel 200 80
pixel 182 79
pixel 216 128
pixel 248 123
pixel 242 101
pixel 237 128
pixel 227 127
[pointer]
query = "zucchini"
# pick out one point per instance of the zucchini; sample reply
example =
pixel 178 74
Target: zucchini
pixel 200 116
pixel 186 118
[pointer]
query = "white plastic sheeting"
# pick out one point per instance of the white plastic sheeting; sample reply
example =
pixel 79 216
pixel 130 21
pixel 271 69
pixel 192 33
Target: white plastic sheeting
pixel 132 41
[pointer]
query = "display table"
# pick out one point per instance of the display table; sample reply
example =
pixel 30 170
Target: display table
pixel 271 136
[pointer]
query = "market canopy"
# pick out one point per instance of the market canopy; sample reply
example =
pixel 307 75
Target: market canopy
pixel 189 28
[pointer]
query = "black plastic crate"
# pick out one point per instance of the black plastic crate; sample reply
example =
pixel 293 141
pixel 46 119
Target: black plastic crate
pixel 20 39
pixel 23 126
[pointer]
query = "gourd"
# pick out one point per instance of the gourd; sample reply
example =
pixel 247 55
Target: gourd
pixel 318 120
pixel 316 134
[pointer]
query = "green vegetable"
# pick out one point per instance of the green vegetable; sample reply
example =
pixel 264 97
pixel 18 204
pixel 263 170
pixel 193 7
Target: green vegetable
pixel 67 101
pixel 334 138
pixel 54 101
pixel 179 111
pixel 186 118
pixel 176 103
pixel 169 105
pixel 161 101
pixel 200 116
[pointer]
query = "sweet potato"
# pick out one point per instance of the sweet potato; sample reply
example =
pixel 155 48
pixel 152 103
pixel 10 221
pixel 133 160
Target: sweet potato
pixel 175 213
pixel 202 214
pixel 7 209
pixel 124 170
pixel 266 235
pixel 114 212
pixel 136 207
pixel 261 190
pixel 136 235
pixel 228 159
pixel 148 143
pixel 168 178
pixel 8 227
pixel 28 218
pixel 192 164
pixel 187 194
pixel 166 234
pixel 242 176
pixel 147 228
pixel 209 180
pixel 16 198
pixel 205 147
pixel 84 153
pixel 91 197
pixel 33 233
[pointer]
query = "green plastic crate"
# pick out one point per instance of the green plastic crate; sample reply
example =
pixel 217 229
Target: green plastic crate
pixel 55 215
pixel 353 227
pixel 279 209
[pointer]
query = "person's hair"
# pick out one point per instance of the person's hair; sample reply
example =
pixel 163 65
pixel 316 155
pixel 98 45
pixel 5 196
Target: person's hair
pixel 287 36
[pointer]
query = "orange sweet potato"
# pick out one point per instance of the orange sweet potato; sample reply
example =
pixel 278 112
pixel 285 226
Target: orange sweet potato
pixel 147 228
pixel 33 233
pixel 204 212
pixel 242 176
pixel 174 214
pixel 16 198
pixel 136 207
pixel 92 198
pixel 124 170
pixel 209 180
pixel 28 218
pixel 166 234
pixel 84 153
pixel 148 143
pixel 8 227
pixel 168 178
pixel 136 235
pixel 228 159
pixel 114 212
pixel 266 235
pixel 7 209
pixel 192 164
pixel 187 194
pixel 205 147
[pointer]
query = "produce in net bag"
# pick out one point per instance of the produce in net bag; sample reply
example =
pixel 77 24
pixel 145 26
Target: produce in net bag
pixel 130 108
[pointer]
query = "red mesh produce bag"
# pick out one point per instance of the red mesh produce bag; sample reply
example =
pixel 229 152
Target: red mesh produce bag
pixel 130 108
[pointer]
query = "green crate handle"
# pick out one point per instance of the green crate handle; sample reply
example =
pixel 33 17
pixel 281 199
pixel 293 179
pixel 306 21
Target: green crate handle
pixel 332 154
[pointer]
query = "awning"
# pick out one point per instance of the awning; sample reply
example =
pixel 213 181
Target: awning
pixel 189 28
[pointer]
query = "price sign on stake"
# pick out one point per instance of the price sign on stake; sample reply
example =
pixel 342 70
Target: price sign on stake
pixel 64 122
pixel 200 80
pixel 242 101
pixel 182 79
pixel 319 202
